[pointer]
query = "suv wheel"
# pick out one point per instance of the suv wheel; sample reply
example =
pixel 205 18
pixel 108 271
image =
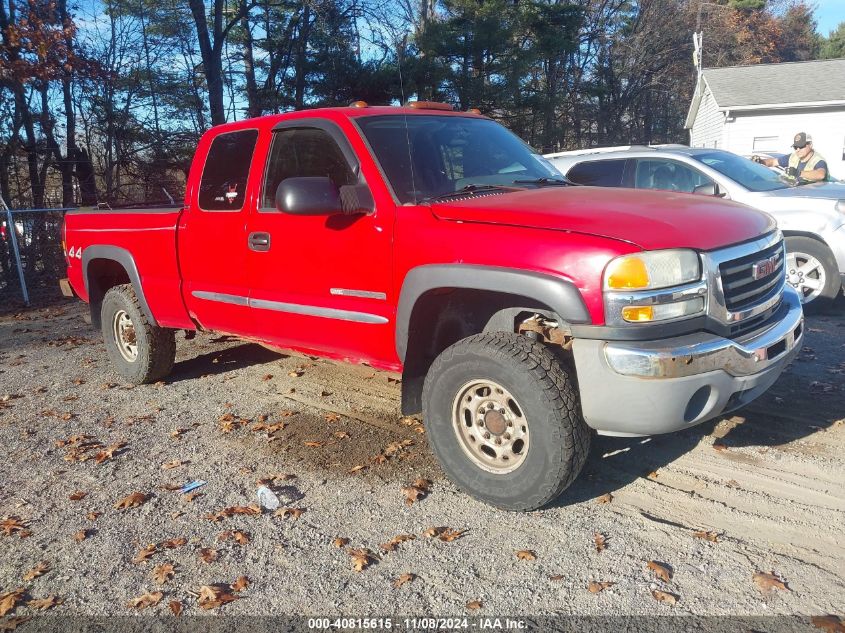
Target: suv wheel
pixel 141 352
pixel 503 418
pixel 811 269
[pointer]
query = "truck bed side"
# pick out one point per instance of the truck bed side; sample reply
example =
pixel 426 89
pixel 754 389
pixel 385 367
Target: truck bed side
pixel 132 245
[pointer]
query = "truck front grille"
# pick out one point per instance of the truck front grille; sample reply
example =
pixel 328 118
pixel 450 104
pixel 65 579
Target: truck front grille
pixel 741 289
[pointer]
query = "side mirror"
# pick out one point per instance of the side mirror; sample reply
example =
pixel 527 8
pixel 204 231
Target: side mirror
pixel 708 189
pixel 318 195
pixel 308 195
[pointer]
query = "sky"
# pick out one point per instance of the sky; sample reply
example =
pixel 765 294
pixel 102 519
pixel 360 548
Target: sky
pixel 829 14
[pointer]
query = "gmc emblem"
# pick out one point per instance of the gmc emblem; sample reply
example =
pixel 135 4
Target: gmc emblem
pixel 765 267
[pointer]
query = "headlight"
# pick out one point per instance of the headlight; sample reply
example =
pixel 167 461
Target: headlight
pixel 840 206
pixel 652 269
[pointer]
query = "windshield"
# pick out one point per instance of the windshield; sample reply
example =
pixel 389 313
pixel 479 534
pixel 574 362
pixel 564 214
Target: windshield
pixel 751 175
pixel 449 153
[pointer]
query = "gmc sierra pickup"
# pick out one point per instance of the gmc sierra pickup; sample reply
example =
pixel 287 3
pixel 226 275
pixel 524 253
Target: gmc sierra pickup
pixel 523 313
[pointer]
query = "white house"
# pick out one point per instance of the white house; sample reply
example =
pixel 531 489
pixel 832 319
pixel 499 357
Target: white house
pixel 753 109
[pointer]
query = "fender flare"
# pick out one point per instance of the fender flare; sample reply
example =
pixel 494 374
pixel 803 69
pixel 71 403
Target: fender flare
pixel 125 259
pixel 559 294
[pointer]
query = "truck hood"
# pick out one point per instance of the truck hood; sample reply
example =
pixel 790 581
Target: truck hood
pixel 651 220
pixel 818 190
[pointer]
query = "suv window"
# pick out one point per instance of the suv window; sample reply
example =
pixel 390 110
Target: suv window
pixel 598 173
pixel 303 152
pixel 224 176
pixel 667 175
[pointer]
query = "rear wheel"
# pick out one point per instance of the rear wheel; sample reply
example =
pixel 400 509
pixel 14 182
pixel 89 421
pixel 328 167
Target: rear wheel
pixel 503 418
pixel 140 352
pixel 811 269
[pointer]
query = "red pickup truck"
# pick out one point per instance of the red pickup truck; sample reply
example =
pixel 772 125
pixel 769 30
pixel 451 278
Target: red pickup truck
pixel 523 313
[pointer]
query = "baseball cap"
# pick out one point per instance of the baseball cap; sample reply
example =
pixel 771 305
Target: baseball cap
pixel 801 139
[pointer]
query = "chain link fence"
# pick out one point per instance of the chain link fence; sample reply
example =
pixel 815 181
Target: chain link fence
pixel 31 256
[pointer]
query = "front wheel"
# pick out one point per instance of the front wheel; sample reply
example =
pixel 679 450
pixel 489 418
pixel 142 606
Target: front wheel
pixel 503 418
pixel 811 269
pixel 140 351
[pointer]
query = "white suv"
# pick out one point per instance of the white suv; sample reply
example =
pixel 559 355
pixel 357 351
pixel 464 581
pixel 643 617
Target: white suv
pixel 811 216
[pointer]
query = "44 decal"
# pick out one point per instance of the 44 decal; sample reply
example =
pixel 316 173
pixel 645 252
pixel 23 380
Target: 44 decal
pixel 75 252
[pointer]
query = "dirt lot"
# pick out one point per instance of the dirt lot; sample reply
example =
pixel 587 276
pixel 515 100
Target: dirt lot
pixel 767 484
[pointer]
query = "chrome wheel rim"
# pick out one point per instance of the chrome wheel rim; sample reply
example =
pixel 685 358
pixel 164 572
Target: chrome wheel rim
pixel 806 274
pixel 490 426
pixel 124 336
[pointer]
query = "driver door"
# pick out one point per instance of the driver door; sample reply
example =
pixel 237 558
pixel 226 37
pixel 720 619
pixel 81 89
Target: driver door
pixel 321 282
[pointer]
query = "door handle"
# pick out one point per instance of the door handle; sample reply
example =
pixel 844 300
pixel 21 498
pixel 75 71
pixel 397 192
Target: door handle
pixel 259 242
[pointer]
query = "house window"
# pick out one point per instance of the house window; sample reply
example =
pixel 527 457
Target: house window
pixel 765 144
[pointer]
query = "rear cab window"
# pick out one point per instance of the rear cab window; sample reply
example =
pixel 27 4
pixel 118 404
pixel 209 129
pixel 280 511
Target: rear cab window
pixel 226 170
pixel 598 173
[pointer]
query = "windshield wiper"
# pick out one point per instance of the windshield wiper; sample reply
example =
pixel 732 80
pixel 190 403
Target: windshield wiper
pixel 469 190
pixel 545 182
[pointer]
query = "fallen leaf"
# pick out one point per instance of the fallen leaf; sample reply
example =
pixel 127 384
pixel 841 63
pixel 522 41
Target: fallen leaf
pixel 10 600
pixel 80 536
pixel 145 553
pixel 361 558
pixel 39 570
pixel 393 543
pixel 356 469
pixel 713 537
pixel 404 578
pixel 340 542
pixel 829 623
pixel 13 524
pixel 174 543
pixel 718 446
pixel 596 586
pixel 341 435
pixel 652 475
pixel 131 501
pixel 43 604
pixel 526 554
pixel 605 498
pixel 172 464
pixel 164 572
pixel 661 571
pixel 267 377
pixel 767 582
pixel 108 452
pixel 294 513
pixel 414 492
pixel 332 417
pixel 557 577
pixel 240 584
pixel 600 541
pixel 295 374
pixel 93 516
pixel 241 538
pixel 474 605
pixel 212 596
pixel 208 555
pixel 11 624
pixel 146 600
pixel 664 596
pixel 175 607
pixel 313 444
pixel 448 535
pixel 77 496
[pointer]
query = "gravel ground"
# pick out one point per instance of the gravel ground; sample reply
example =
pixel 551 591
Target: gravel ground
pixel 330 441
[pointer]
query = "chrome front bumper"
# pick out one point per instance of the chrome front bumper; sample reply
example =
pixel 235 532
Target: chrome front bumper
pixel 652 387
pixel 702 352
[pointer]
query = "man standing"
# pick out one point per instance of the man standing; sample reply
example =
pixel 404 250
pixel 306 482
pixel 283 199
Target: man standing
pixel 804 163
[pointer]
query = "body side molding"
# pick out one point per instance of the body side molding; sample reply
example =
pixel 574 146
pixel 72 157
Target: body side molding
pixel 559 294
